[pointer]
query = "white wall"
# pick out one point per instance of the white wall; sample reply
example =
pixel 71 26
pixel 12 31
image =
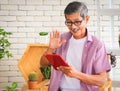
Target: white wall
pixel 26 18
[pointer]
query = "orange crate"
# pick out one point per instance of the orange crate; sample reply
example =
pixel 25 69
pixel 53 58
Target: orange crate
pixel 30 61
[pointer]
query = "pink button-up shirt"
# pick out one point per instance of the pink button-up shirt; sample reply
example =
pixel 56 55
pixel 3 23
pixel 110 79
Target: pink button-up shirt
pixel 94 60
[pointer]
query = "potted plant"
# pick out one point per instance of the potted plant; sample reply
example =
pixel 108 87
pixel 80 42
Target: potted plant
pixel 43 37
pixel 12 88
pixel 4 44
pixel 33 80
pixel 46 71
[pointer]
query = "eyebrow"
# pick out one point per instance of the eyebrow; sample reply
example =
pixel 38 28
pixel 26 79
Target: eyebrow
pixel 74 20
pixel 80 18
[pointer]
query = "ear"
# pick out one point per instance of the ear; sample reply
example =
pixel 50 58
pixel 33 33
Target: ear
pixel 87 19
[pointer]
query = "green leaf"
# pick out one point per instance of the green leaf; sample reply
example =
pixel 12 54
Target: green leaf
pixel 14 85
pixel 43 33
pixel 4 43
pixel 15 90
pixel 46 71
pixel 7 88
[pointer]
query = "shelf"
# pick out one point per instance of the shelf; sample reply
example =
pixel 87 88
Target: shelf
pixel 30 61
pixel 109 12
pixel 111 21
pixel 114 51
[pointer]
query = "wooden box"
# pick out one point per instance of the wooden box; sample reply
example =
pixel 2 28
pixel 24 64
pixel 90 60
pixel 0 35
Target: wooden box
pixel 30 61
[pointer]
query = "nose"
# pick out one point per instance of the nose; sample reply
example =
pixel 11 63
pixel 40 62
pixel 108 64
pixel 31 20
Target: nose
pixel 73 25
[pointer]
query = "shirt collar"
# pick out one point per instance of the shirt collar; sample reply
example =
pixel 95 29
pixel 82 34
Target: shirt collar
pixel 88 35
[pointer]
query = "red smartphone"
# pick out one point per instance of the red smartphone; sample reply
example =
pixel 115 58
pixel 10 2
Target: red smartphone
pixel 56 60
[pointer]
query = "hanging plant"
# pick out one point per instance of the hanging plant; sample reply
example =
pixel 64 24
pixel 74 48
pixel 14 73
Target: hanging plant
pixel 43 37
pixel 4 44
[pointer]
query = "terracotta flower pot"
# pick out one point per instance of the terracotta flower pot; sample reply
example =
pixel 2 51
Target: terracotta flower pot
pixel 32 84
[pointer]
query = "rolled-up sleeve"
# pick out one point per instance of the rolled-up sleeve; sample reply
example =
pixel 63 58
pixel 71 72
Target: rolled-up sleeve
pixel 101 63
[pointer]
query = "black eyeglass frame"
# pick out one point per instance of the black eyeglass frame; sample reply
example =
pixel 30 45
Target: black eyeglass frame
pixel 76 23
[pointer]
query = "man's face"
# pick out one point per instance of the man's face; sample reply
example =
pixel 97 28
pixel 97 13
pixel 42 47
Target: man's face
pixel 76 24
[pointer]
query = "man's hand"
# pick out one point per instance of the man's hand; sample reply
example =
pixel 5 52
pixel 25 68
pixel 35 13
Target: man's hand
pixel 55 40
pixel 69 71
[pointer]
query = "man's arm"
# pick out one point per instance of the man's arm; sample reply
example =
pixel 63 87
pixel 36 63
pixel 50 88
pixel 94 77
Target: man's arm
pixel 43 61
pixel 55 42
pixel 98 79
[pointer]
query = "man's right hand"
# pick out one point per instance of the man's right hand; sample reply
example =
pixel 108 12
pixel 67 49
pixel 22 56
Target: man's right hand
pixel 55 40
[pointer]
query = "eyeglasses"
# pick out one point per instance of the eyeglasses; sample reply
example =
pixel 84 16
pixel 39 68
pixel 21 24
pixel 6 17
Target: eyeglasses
pixel 76 23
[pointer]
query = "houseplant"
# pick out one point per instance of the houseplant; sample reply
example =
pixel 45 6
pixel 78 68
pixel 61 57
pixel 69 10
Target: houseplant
pixel 43 37
pixel 33 80
pixel 12 88
pixel 4 44
pixel 46 71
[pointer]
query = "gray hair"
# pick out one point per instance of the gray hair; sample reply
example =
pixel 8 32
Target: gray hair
pixel 75 7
